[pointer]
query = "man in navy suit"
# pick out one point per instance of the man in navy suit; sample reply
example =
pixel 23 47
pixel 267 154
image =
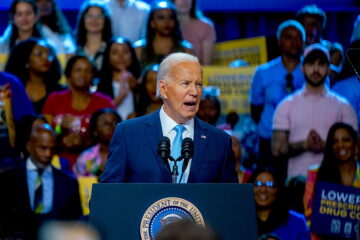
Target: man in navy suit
pixel 35 191
pixel 133 153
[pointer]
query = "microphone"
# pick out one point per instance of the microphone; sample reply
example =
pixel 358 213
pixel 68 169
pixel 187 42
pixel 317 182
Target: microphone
pixel 187 148
pixel 164 150
pixel 187 152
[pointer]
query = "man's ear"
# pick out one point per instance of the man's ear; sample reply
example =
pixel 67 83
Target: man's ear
pixel 163 89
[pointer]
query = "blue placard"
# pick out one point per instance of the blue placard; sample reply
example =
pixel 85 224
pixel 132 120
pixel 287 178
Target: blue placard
pixel 336 210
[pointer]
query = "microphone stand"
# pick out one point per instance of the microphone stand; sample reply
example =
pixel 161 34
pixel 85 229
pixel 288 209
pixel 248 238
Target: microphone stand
pixel 175 170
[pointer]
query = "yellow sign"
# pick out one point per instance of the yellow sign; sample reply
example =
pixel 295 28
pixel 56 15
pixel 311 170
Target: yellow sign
pixel 234 84
pixel 85 187
pixel 3 59
pixel 251 50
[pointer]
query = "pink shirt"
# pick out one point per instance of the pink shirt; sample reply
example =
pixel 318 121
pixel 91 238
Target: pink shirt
pixel 301 112
pixel 198 31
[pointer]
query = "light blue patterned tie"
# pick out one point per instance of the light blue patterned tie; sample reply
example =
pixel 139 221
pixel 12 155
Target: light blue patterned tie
pixel 176 148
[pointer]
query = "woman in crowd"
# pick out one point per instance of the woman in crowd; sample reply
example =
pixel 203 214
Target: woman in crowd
pixel 273 215
pixel 148 102
pixel 209 109
pixel 119 73
pixel 102 125
pixel 163 35
pixel 34 62
pixel 339 166
pixel 93 30
pixel 70 110
pixel 24 24
pixel 51 16
pixel 196 29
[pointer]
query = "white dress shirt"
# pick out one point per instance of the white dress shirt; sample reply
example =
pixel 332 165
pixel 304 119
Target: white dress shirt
pixel 168 124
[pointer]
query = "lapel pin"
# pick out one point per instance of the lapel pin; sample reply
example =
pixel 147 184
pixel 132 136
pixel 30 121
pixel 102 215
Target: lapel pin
pixel 203 136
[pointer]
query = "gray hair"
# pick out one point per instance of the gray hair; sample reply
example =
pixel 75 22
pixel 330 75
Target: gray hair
pixel 294 24
pixel 168 63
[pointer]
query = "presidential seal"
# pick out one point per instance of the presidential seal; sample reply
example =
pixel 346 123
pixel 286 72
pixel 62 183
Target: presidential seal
pixel 165 211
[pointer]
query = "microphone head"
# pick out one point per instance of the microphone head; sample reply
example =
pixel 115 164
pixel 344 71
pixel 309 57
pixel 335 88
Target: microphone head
pixel 187 148
pixel 164 147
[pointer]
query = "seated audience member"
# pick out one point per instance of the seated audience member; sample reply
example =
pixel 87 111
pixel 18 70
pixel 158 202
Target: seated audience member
pixel 14 105
pixel 163 35
pixel 92 161
pixel 303 119
pixel 24 24
pixel 129 18
pixel 295 188
pixel 274 80
pixel 314 21
pixel 196 29
pixel 339 165
pixel 36 192
pixel 93 30
pixel 34 62
pixel 209 109
pixel 242 173
pixel 185 230
pixel 24 128
pixel 51 16
pixel 119 73
pixel 70 110
pixel 273 214
pixel 62 230
pixel 148 101
pixel 349 88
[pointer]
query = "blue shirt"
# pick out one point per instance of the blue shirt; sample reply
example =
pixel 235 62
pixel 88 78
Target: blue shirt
pixel 294 229
pixel 47 181
pixel 350 89
pixel 268 88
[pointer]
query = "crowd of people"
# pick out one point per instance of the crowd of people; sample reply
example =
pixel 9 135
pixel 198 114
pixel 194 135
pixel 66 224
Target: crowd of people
pixel 58 119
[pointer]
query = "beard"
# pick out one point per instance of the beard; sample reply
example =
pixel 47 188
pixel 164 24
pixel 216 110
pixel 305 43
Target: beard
pixel 315 84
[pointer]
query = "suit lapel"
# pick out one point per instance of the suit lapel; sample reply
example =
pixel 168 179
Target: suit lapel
pixel 153 133
pixel 24 188
pixel 200 148
pixel 58 192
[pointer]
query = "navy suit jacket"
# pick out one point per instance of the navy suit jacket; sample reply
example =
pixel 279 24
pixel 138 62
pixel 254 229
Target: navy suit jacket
pixel 15 209
pixel 133 154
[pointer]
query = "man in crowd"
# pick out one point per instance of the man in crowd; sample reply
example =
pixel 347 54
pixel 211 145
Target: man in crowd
pixel 274 80
pixel 129 18
pixel 314 21
pixel 303 119
pixel 133 155
pixel 35 191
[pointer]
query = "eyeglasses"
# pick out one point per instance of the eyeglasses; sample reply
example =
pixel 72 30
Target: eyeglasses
pixel 267 184
pixel 289 83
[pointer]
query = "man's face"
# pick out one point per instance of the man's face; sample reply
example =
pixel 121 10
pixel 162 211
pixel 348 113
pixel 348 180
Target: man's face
pixel 182 92
pixel 315 73
pixel 313 29
pixel 41 148
pixel 290 41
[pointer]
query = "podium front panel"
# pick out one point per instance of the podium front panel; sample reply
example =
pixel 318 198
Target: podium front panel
pixel 117 209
